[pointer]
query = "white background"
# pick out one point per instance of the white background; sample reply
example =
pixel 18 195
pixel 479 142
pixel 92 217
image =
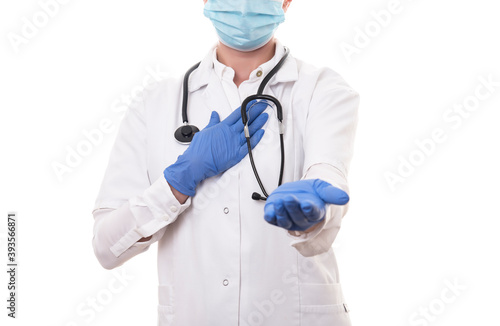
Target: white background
pixel 399 247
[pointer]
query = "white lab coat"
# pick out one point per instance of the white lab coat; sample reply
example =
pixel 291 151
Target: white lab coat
pixel 219 262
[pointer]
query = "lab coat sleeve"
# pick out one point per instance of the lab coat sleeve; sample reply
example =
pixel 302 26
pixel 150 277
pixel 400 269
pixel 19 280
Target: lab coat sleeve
pixel 130 207
pixel 328 147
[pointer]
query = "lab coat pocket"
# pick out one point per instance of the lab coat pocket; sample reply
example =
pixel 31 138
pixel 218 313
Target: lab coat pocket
pixel 322 305
pixel 166 306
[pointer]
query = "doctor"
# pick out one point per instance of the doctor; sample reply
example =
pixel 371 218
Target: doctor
pixel 224 258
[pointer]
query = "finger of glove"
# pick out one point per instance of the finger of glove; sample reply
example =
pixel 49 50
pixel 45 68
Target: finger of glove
pixel 282 218
pixel 292 205
pixel 254 140
pixel 270 214
pixel 312 211
pixel 235 116
pixel 332 195
pixel 255 126
pixel 214 119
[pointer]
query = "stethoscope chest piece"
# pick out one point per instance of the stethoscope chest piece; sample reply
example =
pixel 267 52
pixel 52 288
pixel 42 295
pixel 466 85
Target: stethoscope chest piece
pixel 184 134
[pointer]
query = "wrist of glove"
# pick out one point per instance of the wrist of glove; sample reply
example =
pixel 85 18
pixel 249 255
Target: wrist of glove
pixel 216 148
pixel 298 205
pixel 183 175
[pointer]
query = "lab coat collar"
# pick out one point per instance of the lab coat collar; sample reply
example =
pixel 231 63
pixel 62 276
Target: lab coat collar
pixel 287 73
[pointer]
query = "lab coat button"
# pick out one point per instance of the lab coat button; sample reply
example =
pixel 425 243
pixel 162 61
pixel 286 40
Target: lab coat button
pixel 226 210
pixel 173 209
pixel 259 73
pixel 225 282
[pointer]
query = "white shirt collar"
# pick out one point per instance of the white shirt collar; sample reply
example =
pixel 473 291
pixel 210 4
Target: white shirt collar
pixel 224 72
pixel 210 65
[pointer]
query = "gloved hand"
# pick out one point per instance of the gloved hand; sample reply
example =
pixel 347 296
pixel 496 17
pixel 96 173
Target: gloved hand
pixel 216 148
pixel 298 205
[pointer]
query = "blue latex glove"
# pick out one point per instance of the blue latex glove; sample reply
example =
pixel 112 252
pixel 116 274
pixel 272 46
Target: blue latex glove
pixel 216 148
pixel 298 205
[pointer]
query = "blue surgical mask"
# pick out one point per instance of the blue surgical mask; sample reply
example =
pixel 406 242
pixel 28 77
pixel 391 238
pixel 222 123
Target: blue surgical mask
pixel 245 25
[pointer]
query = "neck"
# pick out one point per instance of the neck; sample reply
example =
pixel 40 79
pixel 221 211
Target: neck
pixel 243 63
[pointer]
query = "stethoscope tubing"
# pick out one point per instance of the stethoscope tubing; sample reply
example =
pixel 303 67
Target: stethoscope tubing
pixel 185 92
pixel 244 118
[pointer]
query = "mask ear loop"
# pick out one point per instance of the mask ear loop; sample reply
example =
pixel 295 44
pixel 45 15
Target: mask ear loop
pixel 270 105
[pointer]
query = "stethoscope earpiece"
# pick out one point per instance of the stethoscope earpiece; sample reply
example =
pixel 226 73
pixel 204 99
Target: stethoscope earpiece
pixel 184 134
pixel 257 196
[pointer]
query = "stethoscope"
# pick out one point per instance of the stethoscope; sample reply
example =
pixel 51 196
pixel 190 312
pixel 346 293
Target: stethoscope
pixel 185 133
